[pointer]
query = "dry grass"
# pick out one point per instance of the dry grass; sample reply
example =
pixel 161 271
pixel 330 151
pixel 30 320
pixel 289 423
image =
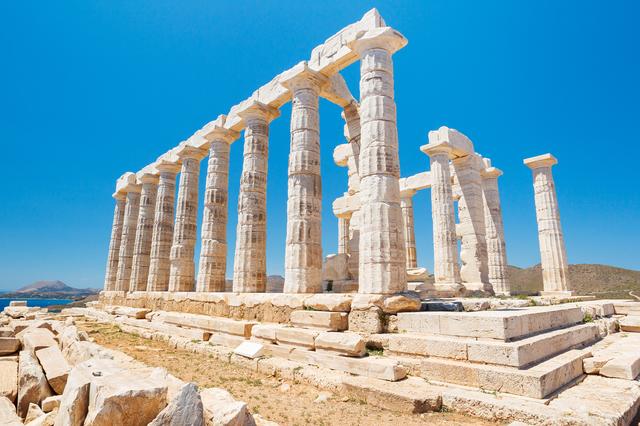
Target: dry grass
pixel 264 394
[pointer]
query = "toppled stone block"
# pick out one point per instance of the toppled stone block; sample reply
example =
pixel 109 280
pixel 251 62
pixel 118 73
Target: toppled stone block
pixel 9 345
pixel 8 416
pixel 297 336
pixel 33 386
pixel 218 324
pixel 6 332
pixel 16 311
pixel 68 336
pixel 18 303
pixel 623 367
pixel 351 344
pixel 137 313
pixel 329 302
pixel 169 329
pixel 185 408
pixel 37 338
pixel 412 395
pixel 375 367
pixel 34 411
pixel 221 409
pixel 630 323
pixel 9 378
pixel 130 398
pixel 55 367
pixel 249 350
pixel 51 403
pixel 331 321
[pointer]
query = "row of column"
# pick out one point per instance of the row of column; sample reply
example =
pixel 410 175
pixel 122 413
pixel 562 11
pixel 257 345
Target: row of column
pixel 150 251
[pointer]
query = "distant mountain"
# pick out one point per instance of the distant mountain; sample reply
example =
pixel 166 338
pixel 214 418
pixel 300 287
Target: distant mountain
pixel 50 290
pixel 585 279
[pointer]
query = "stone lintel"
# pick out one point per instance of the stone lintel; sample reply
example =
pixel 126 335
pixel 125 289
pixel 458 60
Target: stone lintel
pixel 544 160
pixel 301 76
pixel 347 204
pixel 167 166
pixel 459 144
pixel 198 140
pixel 256 109
pixel 147 177
pixel 337 91
pixel 215 130
pixel 125 180
pixel 184 150
pixel 416 182
pixel 379 38
pixel 491 172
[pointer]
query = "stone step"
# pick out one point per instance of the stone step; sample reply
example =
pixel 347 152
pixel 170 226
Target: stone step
pixel 536 382
pixel 205 322
pixel 519 353
pixel 411 395
pixel 505 325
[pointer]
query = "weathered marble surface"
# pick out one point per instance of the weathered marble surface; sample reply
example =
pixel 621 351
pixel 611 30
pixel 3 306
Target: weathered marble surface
pixel 114 244
pixel 125 257
pixel 144 233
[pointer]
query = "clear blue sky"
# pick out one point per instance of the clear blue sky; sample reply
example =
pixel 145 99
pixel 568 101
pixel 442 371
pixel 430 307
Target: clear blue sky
pixel 91 89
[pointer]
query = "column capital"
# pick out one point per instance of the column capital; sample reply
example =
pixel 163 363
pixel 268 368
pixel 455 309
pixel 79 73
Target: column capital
pixel 255 109
pixel 407 194
pixel 132 188
pixel 491 172
pixel 165 166
pixel 438 148
pixel 187 151
pixel 303 77
pixel 379 38
pixel 119 196
pixel 544 160
pixel 215 131
pixel 147 177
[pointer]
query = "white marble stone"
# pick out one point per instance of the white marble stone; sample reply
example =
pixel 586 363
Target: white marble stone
pixel 114 244
pixel 125 256
pixel 144 232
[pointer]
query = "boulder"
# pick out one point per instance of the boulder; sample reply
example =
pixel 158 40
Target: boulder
pixel 51 403
pixel 8 416
pixel 33 386
pixel 351 344
pixel 185 408
pixel 68 336
pixel 221 409
pixel 9 378
pixel 33 413
pixel 9 345
pixel 47 419
pixel 55 367
pixel 132 398
pixel 16 311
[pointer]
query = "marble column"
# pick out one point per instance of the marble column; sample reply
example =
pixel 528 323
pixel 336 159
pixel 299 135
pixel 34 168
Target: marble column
pixel 496 250
pixel 446 269
pixel 553 254
pixel 382 258
pixel 114 244
pixel 473 254
pixel 182 271
pixel 406 203
pixel 250 260
pixel 144 233
pixel 303 252
pixel 343 234
pixel 162 237
pixel 125 257
pixel 213 252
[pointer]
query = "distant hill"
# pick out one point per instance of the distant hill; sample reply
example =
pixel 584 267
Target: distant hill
pixel 50 290
pixel 275 284
pixel 599 280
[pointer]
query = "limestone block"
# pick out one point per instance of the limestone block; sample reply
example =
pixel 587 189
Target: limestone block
pixel 329 302
pixel 185 408
pixel 297 336
pixel 55 367
pixel 622 367
pixel 169 329
pixel 369 321
pixel 228 340
pixel 332 321
pixel 33 413
pixel 8 416
pixel 9 378
pixel 9 345
pixel 16 311
pixel 630 323
pixel 249 350
pixel 68 336
pixel 33 386
pixel 219 324
pixel 351 344
pixel 79 352
pixel 131 398
pixel 428 345
pixel 51 403
pixel 412 395
pixel 6 332
pixel 221 409
pixel 35 339
pixel 18 325
pixel 47 419
pixel 375 367
pixel 137 313
pixel 18 303
pixel 265 331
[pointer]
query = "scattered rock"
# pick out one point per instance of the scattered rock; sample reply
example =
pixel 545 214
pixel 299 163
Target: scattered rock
pixel 323 397
pixel 8 416
pixel 51 403
pixel 285 387
pixel 9 378
pixel 184 409
pixel 221 409
pixel 33 386
pixel 9 345
pixel 33 413
pixel 55 367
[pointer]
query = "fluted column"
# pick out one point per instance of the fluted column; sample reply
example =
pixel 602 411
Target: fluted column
pixel 303 253
pixel 406 203
pixel 553 254
pixel 213 252
pixel 250 261
pixel 446 269
pixel 162 237
pixel 114 244
pixel 144 233
pixel 343 234
pixel 125 257
pixel 382 258
pixel 471 229
pixel 496 250
pixel 182 272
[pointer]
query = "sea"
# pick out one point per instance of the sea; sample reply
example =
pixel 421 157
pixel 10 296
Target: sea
pixel 36 302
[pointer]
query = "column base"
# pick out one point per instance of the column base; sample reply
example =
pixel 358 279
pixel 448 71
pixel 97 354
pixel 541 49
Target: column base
pixel 479 287
pixel 449 289
pixel 557 294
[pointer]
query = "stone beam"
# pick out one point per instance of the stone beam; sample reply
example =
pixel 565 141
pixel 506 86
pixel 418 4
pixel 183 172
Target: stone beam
pixel 458 144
